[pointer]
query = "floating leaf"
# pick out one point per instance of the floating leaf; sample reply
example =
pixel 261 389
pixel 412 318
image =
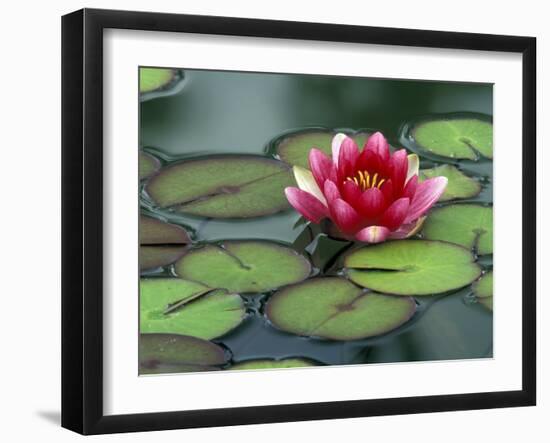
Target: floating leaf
pixel 294 148
pixel 156 232
pixel 334 308
pixel 412 267
pixel 151 257
pixel 151 79
pixel 148 165
pixel 459 184
pixel 169 305
pixel 273 364
pixel 232 186
pixel 160 243
pixel 169 353
pixel 467 225
pixel 460 138
pixel 244 266
pixel 483 290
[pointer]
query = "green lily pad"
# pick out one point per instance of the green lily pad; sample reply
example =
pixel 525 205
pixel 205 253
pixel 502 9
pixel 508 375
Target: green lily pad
pixel 412 267
pixel 169 353
pixel 294 148
pixel 156 232
pixel 273 364
pixel 460 138
pixel 151 79
pixel 148 165
pixel 467 225
pixel 244 266
pixel 336 309
pixel 483 290
pixel 174 306
pixel 160 243
pixel 236 186
pixel 459 184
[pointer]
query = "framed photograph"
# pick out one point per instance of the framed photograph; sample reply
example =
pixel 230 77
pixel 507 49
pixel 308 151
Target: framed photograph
pixel 269 221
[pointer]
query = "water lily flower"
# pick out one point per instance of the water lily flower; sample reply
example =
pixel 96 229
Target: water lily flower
pixel 369 195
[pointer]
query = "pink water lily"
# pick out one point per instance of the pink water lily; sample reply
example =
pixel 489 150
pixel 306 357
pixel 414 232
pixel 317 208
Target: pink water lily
pixel 369 195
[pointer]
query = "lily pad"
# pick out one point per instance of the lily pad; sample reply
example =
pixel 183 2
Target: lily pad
pixel 467 225
pixel 148 165
pixel 335 309
pixel 459 184
pixel 412 267
pixel 294 148
pixel 169 353
pixel 483 290
pixel 160 243
pixel 460 138
pixel 169 305
pixel 156 232
pixel 244 266
pixel 232 186
pixel 151 257
pixel 273 364
pixel 151 79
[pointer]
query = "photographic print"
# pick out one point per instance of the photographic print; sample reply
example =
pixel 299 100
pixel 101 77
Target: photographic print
pixel 293 220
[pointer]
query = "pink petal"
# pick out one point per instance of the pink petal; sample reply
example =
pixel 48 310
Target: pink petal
pixel 349 153
pixel 410 187
pixel 373 234
pixel 344 216
pixel 351 192
pixel 321 166
pixel 395 214
pixel 399 168
pixel 306 204
pixel 336 143
pixel 372 203
pixel 369 161
pixel 378 144
pixel 427 194
pixel 331 191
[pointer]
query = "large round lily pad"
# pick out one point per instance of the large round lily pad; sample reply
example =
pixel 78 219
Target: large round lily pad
pixel 294 148
pixel 169 353
pixel 412 267
pixel 483 290
pixel 160 243
pixel 231 186
pixel 273 364
pixel 467 225
pixel 148 165
pixel 244 266
pixel 151 79
pixel 459 185
pixel 460 138
pixel 336 309
pixel 182 307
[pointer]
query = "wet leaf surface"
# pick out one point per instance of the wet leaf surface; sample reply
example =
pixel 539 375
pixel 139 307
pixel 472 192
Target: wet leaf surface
pixel 459 184
pixel 148 165
pixel 273 364
pixel 334 308
pixel 151 79
pixel 244 266
pixel 412 267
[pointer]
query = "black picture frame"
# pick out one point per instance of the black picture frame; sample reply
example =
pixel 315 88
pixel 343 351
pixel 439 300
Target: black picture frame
pixel 82 220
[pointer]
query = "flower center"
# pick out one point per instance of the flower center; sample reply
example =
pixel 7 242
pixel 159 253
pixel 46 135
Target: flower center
pixel 365 181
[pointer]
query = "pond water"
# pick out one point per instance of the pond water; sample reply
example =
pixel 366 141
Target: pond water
pixel 212 112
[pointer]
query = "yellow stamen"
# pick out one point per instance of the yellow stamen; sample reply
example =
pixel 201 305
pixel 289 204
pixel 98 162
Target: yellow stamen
pixel 365 181
pixel 374 180
pixel 381 183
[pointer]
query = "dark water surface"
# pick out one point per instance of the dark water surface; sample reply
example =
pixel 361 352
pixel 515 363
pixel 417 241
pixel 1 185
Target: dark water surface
pixel 228 112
